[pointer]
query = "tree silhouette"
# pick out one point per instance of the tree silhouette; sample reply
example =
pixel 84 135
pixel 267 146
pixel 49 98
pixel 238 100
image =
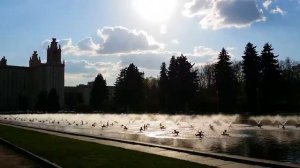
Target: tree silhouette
pixel 291 84
pixel 270 78
pixel 163 87
pixel 253 84
pixel 151 94
pixel 23 102
pixel 173 101
pixel 129 88
pixel 72 100
pixel 225 82
pixel 99 92
pixel 42 100
pixel 187 81
pixel 207 95
pixel 182 83
pixel 251 69
pixel 53 101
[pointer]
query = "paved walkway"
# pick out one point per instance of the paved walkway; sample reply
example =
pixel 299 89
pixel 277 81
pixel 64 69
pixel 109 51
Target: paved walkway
pixel 12 159
pixel 156 150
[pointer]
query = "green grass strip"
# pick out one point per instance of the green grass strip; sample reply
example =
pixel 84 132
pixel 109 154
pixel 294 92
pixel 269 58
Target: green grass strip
pixel 73 153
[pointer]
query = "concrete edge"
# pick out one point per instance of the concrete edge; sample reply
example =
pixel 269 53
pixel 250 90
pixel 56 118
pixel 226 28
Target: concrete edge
pixel 29 154
pixel 226 157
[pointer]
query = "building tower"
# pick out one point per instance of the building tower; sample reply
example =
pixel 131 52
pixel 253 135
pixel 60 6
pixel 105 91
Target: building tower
pixel 54 53
pixel 34 60
pixel 20 84
pixel 3 61
pixel 54 71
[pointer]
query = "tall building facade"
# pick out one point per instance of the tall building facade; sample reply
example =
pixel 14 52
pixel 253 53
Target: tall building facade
pixel 18 83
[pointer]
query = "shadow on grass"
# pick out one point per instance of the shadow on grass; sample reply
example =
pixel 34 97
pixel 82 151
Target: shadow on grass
pixel 74 153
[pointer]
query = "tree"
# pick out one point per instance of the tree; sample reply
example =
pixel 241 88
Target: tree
pixel 207 100
pixel 291 85
pixel 206 76
pixel 172 85
pixel 182 83
pixel 99 92
pixel 270 78
pixel 23 102
pixel 225 82
pixel 73 99
pixel 42 100
pixel 53 101
pixel 151 94
pixel 163 87
pixel 129 88
pixel 251 69
pixel 187 80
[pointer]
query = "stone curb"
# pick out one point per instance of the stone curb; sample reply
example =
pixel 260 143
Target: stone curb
pixel 30 154
pixel 226 157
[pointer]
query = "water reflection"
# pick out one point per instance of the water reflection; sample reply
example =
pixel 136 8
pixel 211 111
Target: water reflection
pixel 259 137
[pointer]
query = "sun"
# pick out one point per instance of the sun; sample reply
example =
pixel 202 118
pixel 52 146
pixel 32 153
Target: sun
pixel 154 10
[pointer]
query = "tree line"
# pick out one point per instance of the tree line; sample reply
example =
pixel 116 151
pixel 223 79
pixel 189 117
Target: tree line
pixel 45 102
pixel 259 83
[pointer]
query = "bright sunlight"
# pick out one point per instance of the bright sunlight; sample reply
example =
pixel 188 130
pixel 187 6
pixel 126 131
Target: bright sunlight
pixel 154 10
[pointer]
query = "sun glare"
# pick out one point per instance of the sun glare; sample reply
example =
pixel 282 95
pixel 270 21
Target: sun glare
pixel 154 10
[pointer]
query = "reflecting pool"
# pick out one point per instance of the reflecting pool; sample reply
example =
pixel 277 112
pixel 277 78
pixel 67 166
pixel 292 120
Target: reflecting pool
pixel 266 137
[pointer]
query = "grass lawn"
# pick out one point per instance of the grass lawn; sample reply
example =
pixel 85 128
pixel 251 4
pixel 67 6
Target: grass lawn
pixel 74 153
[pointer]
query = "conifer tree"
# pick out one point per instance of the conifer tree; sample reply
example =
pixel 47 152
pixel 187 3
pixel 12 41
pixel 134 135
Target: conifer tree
pixel 182 83
pixel 270 78
pixel 187 82
pixel 99 93
pixel 163 86
pixel 172 85
pixel 251 70
pixel 129 90
pixel 225 82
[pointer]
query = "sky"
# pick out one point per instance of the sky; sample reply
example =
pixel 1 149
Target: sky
pixel 104 36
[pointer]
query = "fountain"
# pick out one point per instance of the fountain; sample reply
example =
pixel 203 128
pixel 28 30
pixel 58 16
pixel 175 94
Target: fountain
pixel 259 136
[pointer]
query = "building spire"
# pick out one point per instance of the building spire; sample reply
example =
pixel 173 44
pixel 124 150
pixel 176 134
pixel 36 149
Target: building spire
pixel 34 60
pixel 54 53
pixel 3 61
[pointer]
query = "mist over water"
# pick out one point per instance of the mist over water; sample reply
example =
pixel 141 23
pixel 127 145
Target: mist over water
pixel 277 138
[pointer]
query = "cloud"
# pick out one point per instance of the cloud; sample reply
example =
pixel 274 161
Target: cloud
pixel 175 41
pixel 82 71
pixel 217 14
pixel 115 40
pixel 197 7
pixel 202 55
pixel 79 72
pixel 267 3
pixel 278 10
pixel 81 66
pixel 75 79
pixel 86 58
pixel 152 60
pixel 87 44
pixel 202 51
pixel 149 60
pixel 233 13
pixel 163 29
pixel 64 43
pixel 84 47
pixel 120 40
